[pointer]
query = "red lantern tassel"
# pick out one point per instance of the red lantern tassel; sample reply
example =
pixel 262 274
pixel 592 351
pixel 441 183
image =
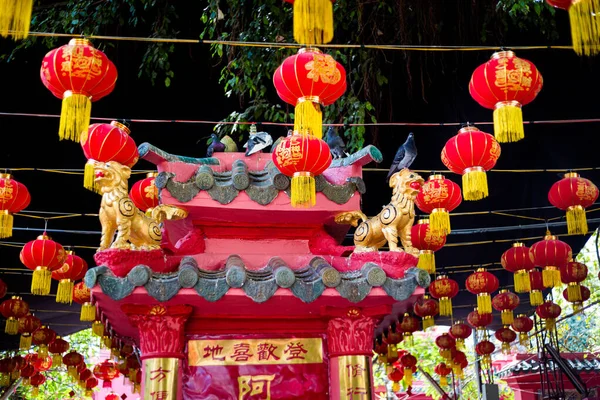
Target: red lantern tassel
pixel 507 317
pixel 43 350
pixel 508 122
pixel 445 307
pixel 74 115
pixel 551 277
pixel 428 322
pixel 474 182
pixel 585 27
pixel 445 353
pixel 36 391
pixel 443 381
pixel 439 221
pixel 308 119
pixel 427 261
pixel 12 326
pixel 408 338
pixel 313 21
pixel 550 324
pixel 408 376
pixel 64 294
pixel 15 18
pixel 522 282
pixel 97 328
pixel 536 298
pixel 392 351
pixel 56 360
pixel 303 191
pixel 505 348
pixel 25 341
pixel 523 338
pixel 484 303
pixel 574 292
pixel 40 281
pixel 460 344
pixel 88 312
pixel 395 387
pixel 6 224
pixel 486 361
pixel 89 176
pixel 576 221
pixel 577 306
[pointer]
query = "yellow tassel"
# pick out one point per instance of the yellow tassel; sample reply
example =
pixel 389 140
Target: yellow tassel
pixel 576 221
pixel 303 190
pixel 88 312
pixel 456 369
pixel 74 116
pixel 577 307
pixel 585 27
pixel 408 376
pixel 443 381
pixel 522 282
pixel 40 281
pixel 25 341
pixel 508 122
pixel 551 277
pixel 25 381
pixel 43 351
pixel 445 353
pixel 392 352
pixel 88 177
pixel 439 221
pixel 395 387
pixel 484 303
pixel 72 371
pixel 12 326
pixel 486 361
pixel 523 339
pixel 313 21
pixel 107 342
pixel 428 322
pixel 408 338
pixel 505 348
pixel 6 224
pixel 536 298
pixel 308 118
pixel 64 294
pixel 89 393
pixel 389 369
pixel 132 374
pixel 474 183
pixel 4 380
pixel 507 317
pixel 445 307
pixel 98 328
pixel 35 392
pixel 56 360
pixel 574 292
pixel 550 324
pixel 460 344
pixel 15 16
pixel 15 375
pixel 136 388
pixel 427 261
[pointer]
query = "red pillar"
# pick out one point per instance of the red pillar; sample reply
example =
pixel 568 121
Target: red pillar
pixel 162 343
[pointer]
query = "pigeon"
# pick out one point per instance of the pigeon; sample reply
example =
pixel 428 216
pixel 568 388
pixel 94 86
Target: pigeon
pixel 405 156
pixel 257 142
pixel 336 143
pixel 215 146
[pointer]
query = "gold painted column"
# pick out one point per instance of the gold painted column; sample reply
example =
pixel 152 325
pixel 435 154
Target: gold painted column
pixel 350 345
pixel 162 343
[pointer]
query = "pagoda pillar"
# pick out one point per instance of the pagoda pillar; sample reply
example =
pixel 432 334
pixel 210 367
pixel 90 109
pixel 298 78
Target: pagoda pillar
pixel 162 343
pixel 350 347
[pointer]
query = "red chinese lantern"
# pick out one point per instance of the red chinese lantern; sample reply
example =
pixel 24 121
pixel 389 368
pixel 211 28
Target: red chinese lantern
pixel 13 309
pixel 14 197
pixel 574 194
pixel 408 325
pixel 578 304
pixel 460 332
pixel 438 197
pixel 82 295
pixel 479 321
pixel 302 157
pixel 42 256
pixel 504 84
pixel 20 363
pixel 459 362
pixel 126 350
pixel 392 339
pixel 27 325
pixel 485 348
pixel 90 384
pixel 548 311
pixel 506 336
pixel 396 375
pixel 408 362
pixel 313 21
pixel 573 273
pixel 309 80
pixel 471 153
pixel 522 324
pixel 57 347
pixel 518 260
pixel 3 288
pixel 84 376
pixel 506 302
pixel 144 193
pixel 443 371
pixel 585 27
pixel 426 308
pixel 78 74
pixel 482 283
pixel 105 143
pixel 536 284
pixel 27 372
pixel 444 289
pixel 5 373
pixel 72 360
pixel 36 381
pixel 551 254
pixel 106 371
pixel 42 338
pixel 42 364
pixel 427 243
pixel 73 269
pixel 446 343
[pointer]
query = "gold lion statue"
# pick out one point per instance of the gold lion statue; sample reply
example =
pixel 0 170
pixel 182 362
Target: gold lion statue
pixel 135 230
pixel 396 219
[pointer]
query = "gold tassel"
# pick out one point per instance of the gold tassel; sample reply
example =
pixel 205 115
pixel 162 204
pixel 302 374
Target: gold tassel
pixel 456 369
pixel 35 392
pixel 97 328
pixel 507 317
pixel 313 21
pixel 460 344
pixel 64 294
pixel 484 303
pixel 15 16
pixel 392 351
pixel 88 393
pixel 536 298
pixel 439 221
pixel 550 324
pixel 428 322
pixel 576 221
pixel 574 292
pixel 25 381
pixel 524 339
pixel 72 371
pixel 303 190
pixel 4 380
pixel 136 388
pixel 427 261
pixel 74 116
pixel 445 353
pixel 408 376
pixel 474 182
pixel 445 307
pixel 585 27
pixel 408 338
pixel 443 381
pixel 486 361
pixel 88 312
pixel 106 341
pixel 522 282
pixel 88 177
pixel 505 348
pixel 6 224
pixel 25 341
pixel 56 360
pixel 308 118
pixel 551 277
pixel 577 307
pixel 508 122
pixel 15 374
pixel 12 326
pixel 395 386
pixel 42 351
pixel 40 281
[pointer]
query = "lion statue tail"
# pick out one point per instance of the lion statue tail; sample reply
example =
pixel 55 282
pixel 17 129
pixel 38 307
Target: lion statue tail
pixel 350 218
pixel 166 212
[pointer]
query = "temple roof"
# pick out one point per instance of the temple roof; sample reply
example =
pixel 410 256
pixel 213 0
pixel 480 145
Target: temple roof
pixel 579 362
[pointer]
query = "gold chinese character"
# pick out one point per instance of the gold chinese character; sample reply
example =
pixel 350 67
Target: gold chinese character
pixel 249 385
pixel 6 192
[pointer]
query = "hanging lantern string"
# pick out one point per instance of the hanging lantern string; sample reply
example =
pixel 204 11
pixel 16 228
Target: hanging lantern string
pixel 69 171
